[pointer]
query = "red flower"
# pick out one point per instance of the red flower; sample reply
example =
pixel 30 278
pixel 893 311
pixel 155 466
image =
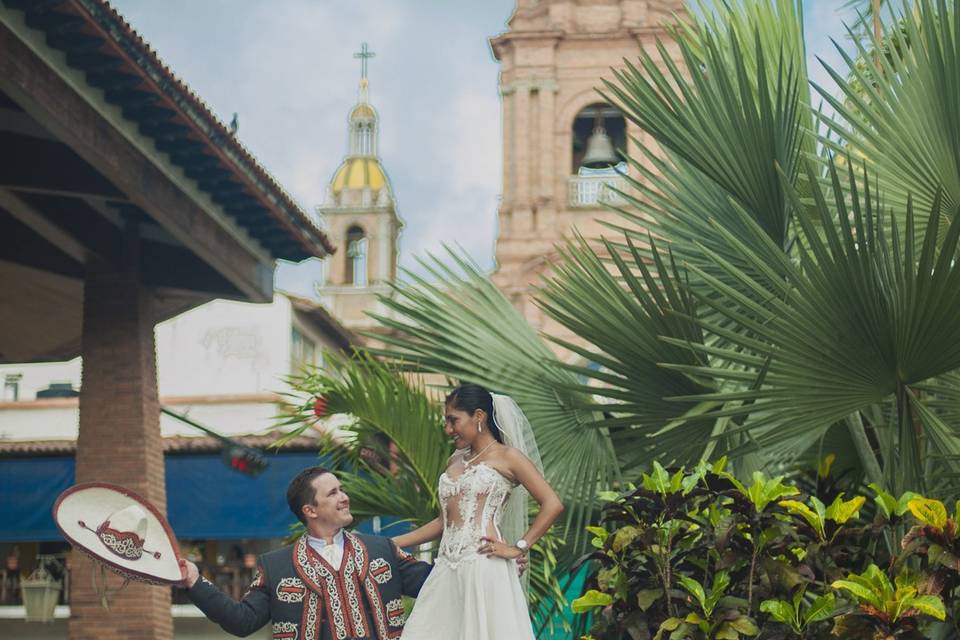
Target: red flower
pixel 319 406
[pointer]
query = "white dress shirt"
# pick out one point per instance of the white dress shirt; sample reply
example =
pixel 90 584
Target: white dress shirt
pixel 332 553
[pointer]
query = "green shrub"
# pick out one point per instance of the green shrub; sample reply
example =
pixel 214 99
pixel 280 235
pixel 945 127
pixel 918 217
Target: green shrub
pixel 700 555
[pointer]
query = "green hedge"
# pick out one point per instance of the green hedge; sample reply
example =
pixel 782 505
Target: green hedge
pixel 701 555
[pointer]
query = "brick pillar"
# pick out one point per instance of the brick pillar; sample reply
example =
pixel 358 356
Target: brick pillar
pixel 119 439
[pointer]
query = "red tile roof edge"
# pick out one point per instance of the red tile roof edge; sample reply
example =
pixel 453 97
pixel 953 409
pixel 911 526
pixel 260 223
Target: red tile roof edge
pixel 90 8
pixel 171 444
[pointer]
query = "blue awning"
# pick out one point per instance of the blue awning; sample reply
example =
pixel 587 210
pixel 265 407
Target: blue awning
pixel 28 489
pixel 206 500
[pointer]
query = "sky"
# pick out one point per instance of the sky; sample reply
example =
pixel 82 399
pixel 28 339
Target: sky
pixel 286 67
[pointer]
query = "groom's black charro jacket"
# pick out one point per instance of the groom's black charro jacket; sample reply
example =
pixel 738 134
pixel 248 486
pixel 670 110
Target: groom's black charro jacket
pixel 307 599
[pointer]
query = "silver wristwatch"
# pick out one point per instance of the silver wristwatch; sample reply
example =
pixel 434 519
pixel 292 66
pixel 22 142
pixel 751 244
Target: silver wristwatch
pixel 523 545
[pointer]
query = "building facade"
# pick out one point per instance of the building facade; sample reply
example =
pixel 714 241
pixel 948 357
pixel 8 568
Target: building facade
pixel 552 58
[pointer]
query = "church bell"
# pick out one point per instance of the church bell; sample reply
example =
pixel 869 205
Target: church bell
pixel 600 153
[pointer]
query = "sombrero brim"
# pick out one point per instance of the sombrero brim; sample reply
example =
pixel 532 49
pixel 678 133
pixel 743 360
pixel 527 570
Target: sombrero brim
pixel 92 503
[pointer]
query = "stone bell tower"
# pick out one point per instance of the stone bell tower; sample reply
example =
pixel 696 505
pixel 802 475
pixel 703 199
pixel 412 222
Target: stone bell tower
pixel 360 215
pixel 558 134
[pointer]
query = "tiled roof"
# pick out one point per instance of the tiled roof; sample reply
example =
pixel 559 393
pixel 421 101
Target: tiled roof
pixel 173 444
pixel 115 58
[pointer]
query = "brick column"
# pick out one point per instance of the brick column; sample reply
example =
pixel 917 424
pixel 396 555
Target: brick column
pixel 119 439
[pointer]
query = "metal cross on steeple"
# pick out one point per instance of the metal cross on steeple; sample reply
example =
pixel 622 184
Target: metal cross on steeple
pixel 364 54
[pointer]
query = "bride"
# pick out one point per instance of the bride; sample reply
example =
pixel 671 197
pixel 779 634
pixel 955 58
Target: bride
pixel 474 591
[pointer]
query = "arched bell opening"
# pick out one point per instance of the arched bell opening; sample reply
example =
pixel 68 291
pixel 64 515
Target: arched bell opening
pixel 599 133
pixel 356 269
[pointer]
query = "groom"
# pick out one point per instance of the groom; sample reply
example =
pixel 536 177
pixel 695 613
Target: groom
pixel 328 585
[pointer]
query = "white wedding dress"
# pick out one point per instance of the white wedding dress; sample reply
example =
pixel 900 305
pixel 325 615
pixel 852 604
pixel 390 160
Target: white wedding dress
pixel 469 596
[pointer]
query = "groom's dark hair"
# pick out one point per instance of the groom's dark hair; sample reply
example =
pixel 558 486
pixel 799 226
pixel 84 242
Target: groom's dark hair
pixel 300 491
pixel 469 398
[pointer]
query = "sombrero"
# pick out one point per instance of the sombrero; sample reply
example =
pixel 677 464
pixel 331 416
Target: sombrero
pixel 120 530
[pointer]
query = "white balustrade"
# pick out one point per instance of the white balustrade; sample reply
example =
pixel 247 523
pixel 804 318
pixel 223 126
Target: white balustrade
pixel 592 191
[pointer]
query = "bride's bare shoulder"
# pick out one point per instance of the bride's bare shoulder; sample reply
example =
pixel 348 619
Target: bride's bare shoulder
pixel 455 457
pixel 511 454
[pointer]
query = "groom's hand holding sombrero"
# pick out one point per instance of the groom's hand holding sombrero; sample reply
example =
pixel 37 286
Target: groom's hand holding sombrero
pixel 190 573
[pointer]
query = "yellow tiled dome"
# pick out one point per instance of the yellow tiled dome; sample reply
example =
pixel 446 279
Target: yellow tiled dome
pixel 357 173
pixel 363 111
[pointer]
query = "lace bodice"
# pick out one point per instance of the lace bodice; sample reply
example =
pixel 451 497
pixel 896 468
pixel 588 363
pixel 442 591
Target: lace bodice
pixel 471 502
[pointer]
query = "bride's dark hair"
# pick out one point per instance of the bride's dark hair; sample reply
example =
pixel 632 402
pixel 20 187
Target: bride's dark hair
pixel 469 398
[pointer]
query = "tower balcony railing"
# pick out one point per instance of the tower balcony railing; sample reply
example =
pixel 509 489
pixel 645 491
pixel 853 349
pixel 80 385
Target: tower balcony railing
pixel 593 191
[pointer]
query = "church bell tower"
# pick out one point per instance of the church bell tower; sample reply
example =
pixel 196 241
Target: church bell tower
pixel 559 137
pixel 360 215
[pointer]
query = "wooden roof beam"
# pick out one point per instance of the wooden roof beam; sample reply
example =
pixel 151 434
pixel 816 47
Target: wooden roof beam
pixel 31 217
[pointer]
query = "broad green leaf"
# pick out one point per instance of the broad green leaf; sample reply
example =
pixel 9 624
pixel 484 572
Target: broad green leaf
pixel 591 600
pixel 695 589
pixel 821 609
pixel 623 537
pixel 671 625
pixel 860 592
pixel 877 579
pixel 826 463
pixel 744 625
pixel 646 597
pixel 658 480
pixel 720 583
pixel 929 512
pixel 762 492
pixel 599 533
pixel 885 501
pixel 781 611
pixel 928 605
pixel 840 510
pixel 726 632
pixel 813 518
pixel 904 502
pixel 693 618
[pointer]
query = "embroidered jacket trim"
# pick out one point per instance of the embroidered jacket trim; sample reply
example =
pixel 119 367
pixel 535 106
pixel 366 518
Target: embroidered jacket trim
pixel 344 593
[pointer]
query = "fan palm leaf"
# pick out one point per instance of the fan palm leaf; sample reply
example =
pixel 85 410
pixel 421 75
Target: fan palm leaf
pixel 859 319
pixel 903 119
pixel 630 311
pixel 736 110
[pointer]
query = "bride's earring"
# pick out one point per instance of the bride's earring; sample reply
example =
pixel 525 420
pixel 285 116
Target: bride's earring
pixel 479 427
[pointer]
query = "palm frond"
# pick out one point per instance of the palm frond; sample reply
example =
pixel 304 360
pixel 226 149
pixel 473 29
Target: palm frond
pixel 380 403
pixel 902 119
pixel 735 112
pixel 632 307
pixel 859 319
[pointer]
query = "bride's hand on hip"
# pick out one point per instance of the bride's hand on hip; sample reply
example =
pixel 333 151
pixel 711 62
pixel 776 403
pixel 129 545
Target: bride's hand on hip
pixel 499 549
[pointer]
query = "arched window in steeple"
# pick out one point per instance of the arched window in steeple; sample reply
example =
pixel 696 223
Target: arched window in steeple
pixel 601 128
pixel 356 272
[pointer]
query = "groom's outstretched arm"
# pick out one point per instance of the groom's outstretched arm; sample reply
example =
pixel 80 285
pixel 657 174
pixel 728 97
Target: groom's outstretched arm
pixel 413 572
pixel 238 618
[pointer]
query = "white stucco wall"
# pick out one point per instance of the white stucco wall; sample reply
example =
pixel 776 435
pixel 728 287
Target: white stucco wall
pixel 216 364
pixel 225 348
